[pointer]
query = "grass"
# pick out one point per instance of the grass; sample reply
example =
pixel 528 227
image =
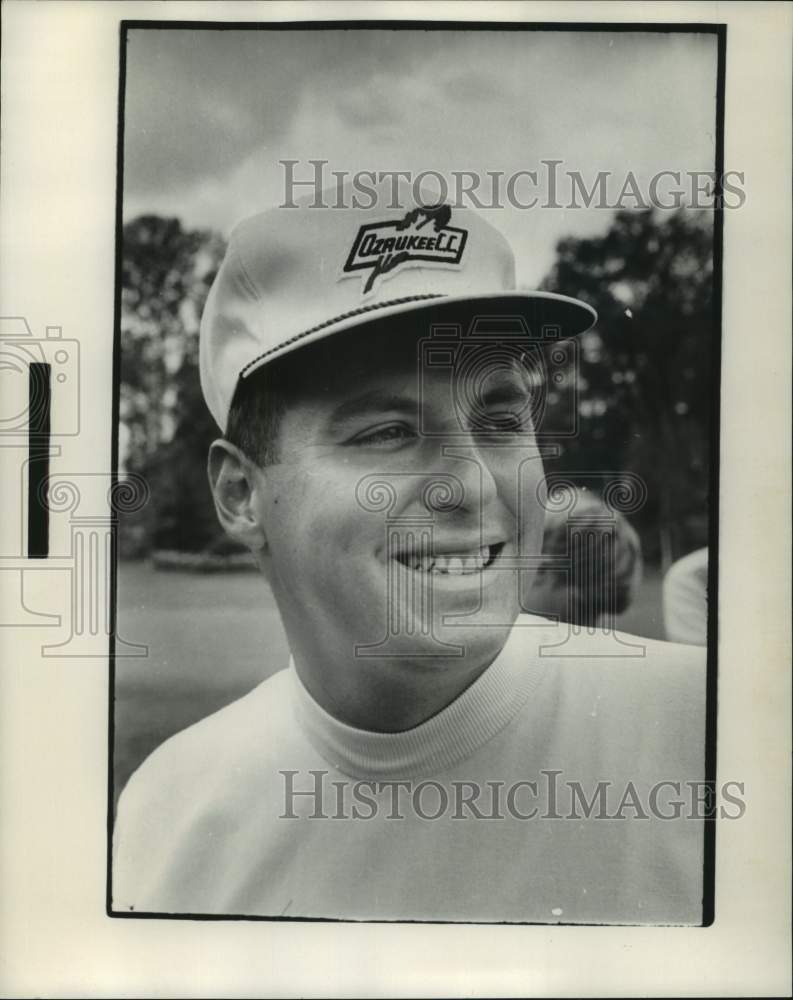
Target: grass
pixel 211 639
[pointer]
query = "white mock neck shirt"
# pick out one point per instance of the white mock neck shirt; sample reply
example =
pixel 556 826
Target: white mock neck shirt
pixel 455 733
pixel 555 788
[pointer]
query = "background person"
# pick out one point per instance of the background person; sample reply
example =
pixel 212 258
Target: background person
pixel 685 599
pixel 593 567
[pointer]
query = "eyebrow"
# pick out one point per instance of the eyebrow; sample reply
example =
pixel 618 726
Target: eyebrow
pixel 373 401
pixel 379 402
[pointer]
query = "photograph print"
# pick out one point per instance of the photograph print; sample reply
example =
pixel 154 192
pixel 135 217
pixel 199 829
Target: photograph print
pixel 419 352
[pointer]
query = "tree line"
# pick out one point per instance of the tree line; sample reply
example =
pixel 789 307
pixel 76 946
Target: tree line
pixel 642 396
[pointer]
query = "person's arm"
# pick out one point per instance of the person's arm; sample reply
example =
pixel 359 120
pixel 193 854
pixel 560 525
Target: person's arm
pixel 685 599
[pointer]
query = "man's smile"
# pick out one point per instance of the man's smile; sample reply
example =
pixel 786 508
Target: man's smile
pixel 457 561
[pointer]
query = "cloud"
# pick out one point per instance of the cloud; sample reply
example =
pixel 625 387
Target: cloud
pixel 373 108
pixel 473 88
pixel 211 114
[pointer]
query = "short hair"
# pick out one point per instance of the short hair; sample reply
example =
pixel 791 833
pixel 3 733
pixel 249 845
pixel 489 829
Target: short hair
pixel 255 415
pixel 261 399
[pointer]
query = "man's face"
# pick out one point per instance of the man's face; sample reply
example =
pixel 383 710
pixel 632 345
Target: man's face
pixel 394 510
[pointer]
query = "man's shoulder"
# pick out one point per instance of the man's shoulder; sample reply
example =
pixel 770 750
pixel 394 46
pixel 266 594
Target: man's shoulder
pixel 633 704
pixel 229 742
pixel 210 781
pixel 630 671
pixel 609 648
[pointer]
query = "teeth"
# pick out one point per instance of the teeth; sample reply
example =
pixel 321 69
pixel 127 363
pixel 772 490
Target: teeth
pixel 453 565
pixel 457 565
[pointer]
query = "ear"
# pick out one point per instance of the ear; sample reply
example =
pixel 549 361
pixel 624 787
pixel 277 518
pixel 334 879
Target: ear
pixel 237 485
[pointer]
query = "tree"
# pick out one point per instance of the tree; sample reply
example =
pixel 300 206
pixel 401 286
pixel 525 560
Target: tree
pixel 644 391
pixel 166 275
pixel 645 385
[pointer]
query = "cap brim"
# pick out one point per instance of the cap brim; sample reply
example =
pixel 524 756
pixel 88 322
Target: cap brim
pixel 547 316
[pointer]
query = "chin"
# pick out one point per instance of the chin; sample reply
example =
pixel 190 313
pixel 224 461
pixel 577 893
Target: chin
pixel 478 638
pixel 458 621
pixel 481 640
pixel 444 646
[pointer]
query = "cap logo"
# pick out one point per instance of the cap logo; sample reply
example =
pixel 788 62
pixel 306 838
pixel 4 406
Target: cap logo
pixel 383 247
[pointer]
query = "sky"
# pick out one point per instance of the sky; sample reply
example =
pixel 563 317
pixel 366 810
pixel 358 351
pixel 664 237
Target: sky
pixel 209 115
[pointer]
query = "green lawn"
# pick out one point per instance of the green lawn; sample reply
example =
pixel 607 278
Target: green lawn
pixel 213 637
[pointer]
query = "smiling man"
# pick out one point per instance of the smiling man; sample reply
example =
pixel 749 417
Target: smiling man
pixel 357 421
pixel 432 751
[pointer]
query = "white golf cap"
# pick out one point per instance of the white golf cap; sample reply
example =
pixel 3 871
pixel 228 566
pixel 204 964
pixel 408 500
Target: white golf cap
pixel 294 275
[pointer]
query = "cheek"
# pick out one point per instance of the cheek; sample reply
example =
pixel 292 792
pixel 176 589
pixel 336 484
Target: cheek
pixel 293 512
pixel 534 490
pixel 314 518
pixel 522 490
pixel 521 483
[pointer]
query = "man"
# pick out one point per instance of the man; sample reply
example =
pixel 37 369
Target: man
pixel 431 752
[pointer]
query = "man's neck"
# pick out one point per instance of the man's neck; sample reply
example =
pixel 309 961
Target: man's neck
pixel 385 694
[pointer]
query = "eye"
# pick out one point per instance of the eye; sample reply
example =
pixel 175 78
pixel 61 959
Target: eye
pixel 508 421
pixel 387 434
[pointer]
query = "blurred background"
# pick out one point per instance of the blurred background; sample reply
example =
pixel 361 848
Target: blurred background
pixel 209 115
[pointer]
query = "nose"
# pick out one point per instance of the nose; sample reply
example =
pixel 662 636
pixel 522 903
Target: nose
pixel 473 467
